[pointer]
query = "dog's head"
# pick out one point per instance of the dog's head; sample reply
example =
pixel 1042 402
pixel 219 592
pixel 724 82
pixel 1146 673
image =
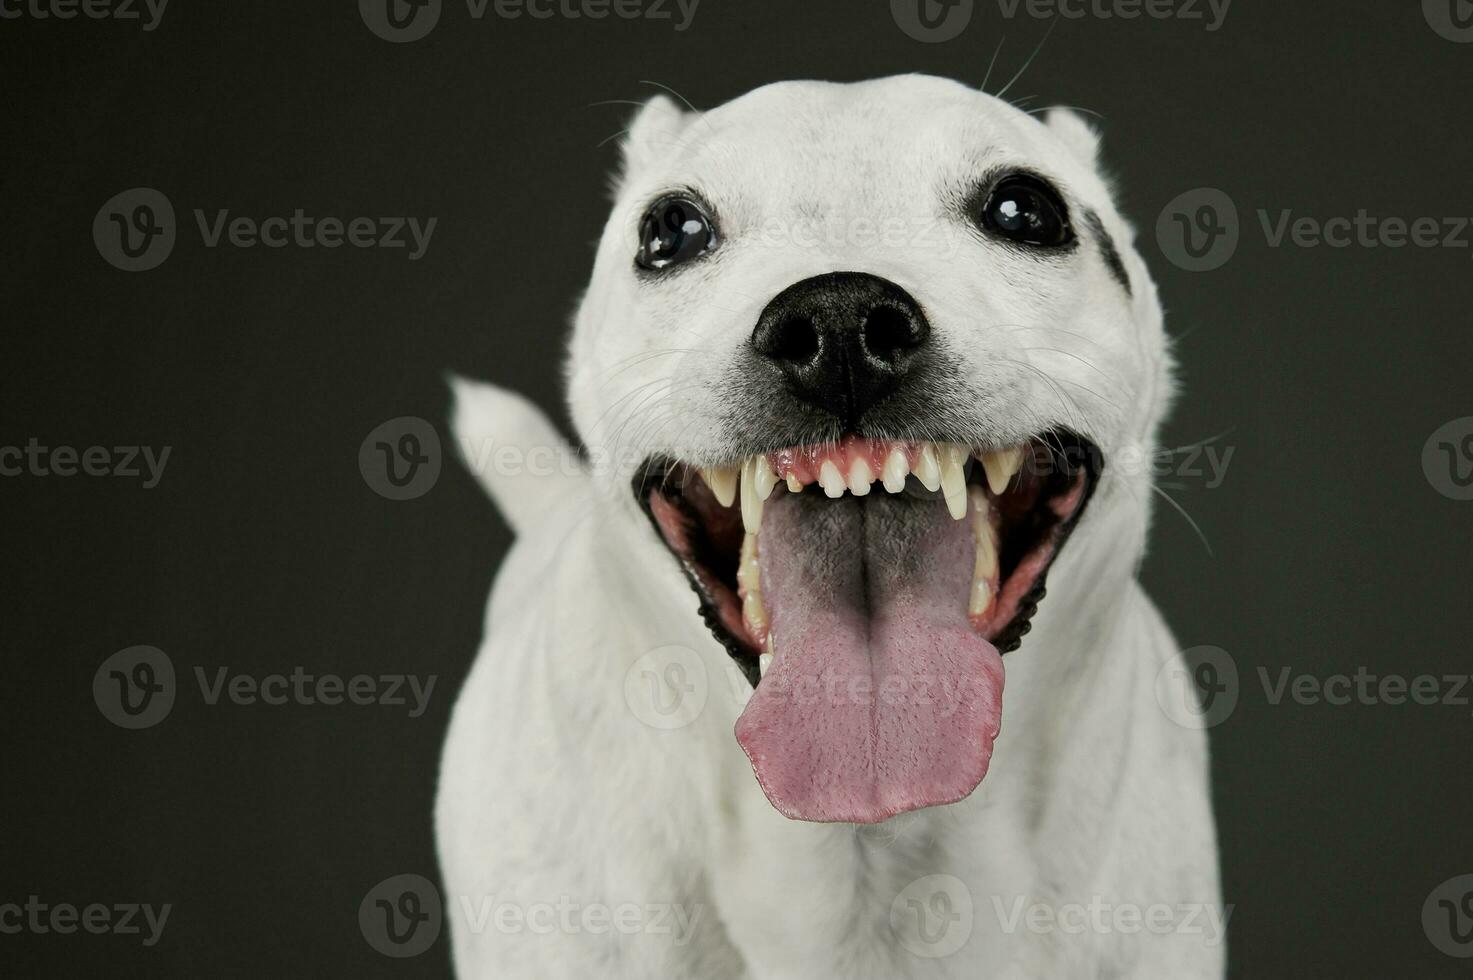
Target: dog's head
pixel 864 352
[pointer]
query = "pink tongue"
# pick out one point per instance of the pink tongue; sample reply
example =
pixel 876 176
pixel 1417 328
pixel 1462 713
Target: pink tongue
pixel 882 698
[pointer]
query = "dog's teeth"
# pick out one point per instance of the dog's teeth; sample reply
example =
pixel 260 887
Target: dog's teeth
pixel 766 477
pixel 749 583
pixel 831 479
pixel 1001 467
pixel 764 661
pixel 954 480
pixel 749 575
pixel 927 470
pixel 860 477
pixel 897 468
pixel 985 568
pixel 751 500
pixel 723 483
pixel 795 485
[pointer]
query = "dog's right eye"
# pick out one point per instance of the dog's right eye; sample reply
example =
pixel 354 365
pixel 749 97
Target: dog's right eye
pixel 674 230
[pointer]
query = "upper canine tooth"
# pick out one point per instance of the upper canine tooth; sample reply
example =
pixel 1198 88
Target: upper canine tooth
pixel 723 483
pixel 897 468
pixel 1001 466
pixel 751 500
pixel 766 477
pixel 954 480
pixel 927 470
pixel 860 477
pixel 831 479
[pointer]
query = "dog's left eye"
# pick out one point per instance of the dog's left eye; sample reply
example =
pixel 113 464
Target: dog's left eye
pixel 674 230
pixel 1027 210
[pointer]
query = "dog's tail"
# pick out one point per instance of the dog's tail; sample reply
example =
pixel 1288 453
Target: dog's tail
pixel 514 451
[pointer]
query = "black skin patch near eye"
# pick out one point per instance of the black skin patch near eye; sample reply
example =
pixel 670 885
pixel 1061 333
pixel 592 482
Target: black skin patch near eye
pixel 1108 250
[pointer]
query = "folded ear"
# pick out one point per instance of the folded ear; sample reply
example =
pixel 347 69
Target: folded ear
pixel 1082 139
pixel 654 132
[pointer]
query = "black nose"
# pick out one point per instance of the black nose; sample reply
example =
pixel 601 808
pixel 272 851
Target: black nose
pixel 843 341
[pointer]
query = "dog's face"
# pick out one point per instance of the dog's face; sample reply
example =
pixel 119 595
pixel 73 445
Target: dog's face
pixel 862 352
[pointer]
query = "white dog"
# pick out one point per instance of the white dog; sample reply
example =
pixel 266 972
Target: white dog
pixel 857 364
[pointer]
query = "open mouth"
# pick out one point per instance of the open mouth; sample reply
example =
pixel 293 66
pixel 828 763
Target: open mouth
pixel 868 589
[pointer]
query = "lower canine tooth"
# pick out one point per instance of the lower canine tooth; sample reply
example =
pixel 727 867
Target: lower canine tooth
pixel 954 480
pixel 985 568
pixel 927 470
pixel 831 479
pixel 723 483
pixel 751 501
pixel 749 574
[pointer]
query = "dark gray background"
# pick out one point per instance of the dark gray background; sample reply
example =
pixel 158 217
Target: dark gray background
pixel 262 548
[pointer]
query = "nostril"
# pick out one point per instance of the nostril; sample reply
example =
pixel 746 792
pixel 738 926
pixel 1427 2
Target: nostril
pixel 795 340
pixel 890 332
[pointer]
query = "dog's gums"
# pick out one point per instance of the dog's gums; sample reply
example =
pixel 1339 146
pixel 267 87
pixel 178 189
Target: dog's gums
pixel 814 580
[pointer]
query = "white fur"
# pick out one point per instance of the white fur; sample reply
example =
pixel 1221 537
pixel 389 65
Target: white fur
pixel 553 790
